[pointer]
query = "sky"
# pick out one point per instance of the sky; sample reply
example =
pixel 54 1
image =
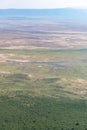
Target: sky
pixel 43 4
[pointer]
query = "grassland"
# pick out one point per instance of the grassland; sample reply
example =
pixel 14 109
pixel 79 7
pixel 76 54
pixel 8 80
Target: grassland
pixel 43 89
pixel 43 85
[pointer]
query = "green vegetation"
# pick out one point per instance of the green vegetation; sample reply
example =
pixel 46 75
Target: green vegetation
pixel 43 89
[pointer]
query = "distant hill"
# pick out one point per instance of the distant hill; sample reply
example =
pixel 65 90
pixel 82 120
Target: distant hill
pixel 62 13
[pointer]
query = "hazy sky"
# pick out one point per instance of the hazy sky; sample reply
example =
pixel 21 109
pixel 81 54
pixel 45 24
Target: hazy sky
pixel 43 3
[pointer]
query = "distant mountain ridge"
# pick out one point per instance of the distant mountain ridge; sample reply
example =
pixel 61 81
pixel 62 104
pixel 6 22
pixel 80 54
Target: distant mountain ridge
pixel 61 11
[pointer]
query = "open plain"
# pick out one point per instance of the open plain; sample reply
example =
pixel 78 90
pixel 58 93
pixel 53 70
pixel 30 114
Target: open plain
pixel 43 74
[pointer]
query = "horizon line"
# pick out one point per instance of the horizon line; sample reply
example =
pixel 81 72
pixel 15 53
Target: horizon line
pixel 42 8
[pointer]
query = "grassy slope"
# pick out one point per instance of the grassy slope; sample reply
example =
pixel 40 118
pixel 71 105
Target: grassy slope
pixel 43 96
